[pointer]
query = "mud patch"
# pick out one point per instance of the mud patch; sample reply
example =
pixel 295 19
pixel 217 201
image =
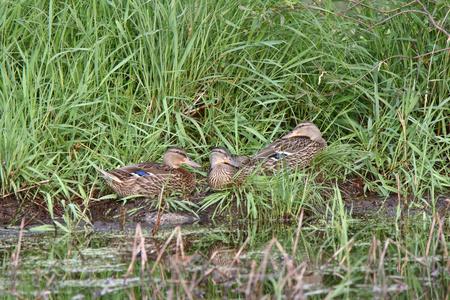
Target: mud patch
pixel 391 204
pixel 118 213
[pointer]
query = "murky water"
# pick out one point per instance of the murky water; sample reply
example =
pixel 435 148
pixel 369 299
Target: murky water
pixel 370 256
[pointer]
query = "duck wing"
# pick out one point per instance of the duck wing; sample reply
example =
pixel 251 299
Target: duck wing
pixel 146 171
pixel 284 147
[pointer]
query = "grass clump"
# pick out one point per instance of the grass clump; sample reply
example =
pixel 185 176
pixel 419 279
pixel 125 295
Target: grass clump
pixel 88 84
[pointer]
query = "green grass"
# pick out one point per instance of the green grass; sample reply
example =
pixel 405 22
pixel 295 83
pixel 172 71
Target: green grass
pixel 89 84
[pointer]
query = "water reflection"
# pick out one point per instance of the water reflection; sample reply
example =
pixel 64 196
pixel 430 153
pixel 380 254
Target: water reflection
pixel 239 259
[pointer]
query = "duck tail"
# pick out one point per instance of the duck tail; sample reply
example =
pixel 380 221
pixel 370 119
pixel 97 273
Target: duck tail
pixel 109 175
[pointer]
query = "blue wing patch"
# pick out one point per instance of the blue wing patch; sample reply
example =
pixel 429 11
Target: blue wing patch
pixel 141 173
pixel 281 155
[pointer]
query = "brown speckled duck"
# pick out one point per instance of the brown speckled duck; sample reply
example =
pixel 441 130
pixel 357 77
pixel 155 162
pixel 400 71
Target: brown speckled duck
pixel 294 150
pixel 148 178
pixel 226 169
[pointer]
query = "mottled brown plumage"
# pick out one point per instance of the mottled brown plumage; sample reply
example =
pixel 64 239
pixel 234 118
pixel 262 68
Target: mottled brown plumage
pixel 226 169
pixel 223 259
pixel 294 150
pixel 150 177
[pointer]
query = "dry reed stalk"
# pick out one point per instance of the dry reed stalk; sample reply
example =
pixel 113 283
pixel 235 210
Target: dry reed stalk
pixel 250 279
pixel 47 285
pixel 427 251
pixel 15 257
pixel 389 240
pixel 239 252
pixel 193 281
pixel 298 289
pixel 262 269
pixel 180 246
pixel 440 233
pixel 397 180
pixel 37 271
pixel 263 266
pixel 370 262
pixel 352 240
pixel 28 188
pixel 183 282
pixel 164 248
pixel 155 229
pixel 157 290
pixel 345 255
pixel 136 249
pixel 130 293
pixel 294 273
pixel 299 228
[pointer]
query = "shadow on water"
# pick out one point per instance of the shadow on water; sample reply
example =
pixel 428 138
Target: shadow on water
pixel 369 256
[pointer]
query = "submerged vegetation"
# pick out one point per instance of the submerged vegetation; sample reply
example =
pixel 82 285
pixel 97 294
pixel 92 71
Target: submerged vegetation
pixel 246 260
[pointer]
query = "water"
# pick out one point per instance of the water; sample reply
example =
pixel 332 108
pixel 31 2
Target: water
pixel 370 256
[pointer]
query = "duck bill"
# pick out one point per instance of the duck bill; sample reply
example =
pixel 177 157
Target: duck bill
pixel 190 162
pixel 297 132
pixel 232 162
pixel 290 135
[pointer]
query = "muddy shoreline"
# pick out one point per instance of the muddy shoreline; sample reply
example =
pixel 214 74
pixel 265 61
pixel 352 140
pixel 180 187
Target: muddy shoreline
pixel 142 210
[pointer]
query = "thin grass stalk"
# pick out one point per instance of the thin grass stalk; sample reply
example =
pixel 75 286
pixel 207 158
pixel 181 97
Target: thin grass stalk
pixel 182 280
pixel 161 252
pixel 299 227
pixel 136 250
pixel 19 245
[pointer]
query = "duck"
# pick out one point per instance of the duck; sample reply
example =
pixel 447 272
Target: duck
pixel 225 170
pixel 294 150
pixel 224 262
pixel 150 178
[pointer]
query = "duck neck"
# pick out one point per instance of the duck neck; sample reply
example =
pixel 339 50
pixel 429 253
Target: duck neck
pixel 186 173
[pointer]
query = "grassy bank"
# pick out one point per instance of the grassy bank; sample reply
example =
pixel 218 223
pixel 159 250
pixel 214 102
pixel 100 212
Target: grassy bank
pixel 89 84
